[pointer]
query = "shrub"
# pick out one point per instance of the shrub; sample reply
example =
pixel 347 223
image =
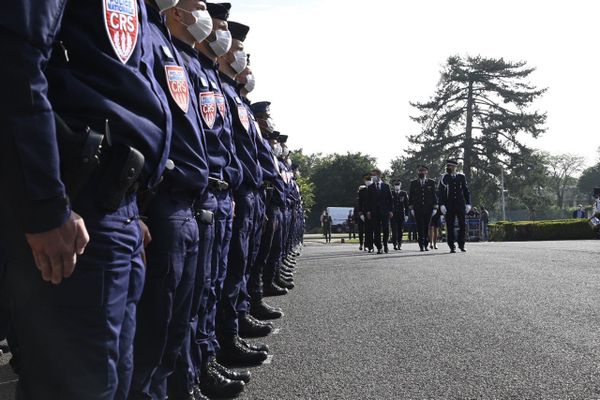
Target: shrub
pixel 567 229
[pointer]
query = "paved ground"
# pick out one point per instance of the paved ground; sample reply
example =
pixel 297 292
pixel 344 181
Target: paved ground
pixel 504 321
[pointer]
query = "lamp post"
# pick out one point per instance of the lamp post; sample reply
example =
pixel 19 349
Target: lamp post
pixel 503 197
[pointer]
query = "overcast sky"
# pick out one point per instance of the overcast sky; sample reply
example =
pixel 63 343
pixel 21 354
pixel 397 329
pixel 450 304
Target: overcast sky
pixel 340 74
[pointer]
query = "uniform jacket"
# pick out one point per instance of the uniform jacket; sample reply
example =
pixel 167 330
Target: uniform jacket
pixel 64 57
pixel 423 197
pixel 362 200
pixel 400 203
pixel 379 200
pixel 188 149
pixel 244 134
pixel 454 192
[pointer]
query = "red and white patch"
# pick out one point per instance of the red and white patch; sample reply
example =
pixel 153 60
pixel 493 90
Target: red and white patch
pixel 244 118
pixel 122 25
pixel 208 108
pixel 178 86
pixel 221 104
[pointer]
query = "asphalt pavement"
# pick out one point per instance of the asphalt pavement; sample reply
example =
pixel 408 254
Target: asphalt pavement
pixel 503 321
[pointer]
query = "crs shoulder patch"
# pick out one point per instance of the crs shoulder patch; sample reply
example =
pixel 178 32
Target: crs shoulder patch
pixel 244 119
pixel 221 105
pixel 208 108
pixel 122 26
pixel 178 86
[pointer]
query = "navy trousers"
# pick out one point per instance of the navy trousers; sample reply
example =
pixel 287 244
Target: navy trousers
pixel 239 255
pixel 274 257
pixel 255 281
pixel 164 309
pixel 76 338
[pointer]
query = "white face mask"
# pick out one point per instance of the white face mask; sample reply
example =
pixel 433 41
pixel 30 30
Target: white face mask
pixel 240 63
pixel 368 183
pixel 286 152
pixel 164 5
pixel 202 27
pixel 277 150
pixel 222 44
pixel 398 187
pixel 250 83
pixel 288 162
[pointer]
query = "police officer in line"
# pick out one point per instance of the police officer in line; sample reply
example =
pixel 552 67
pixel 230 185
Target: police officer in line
pixel 400 210
pixel 363 210
pixel 61 56
pixel 379 210
pixel 229 326
pixel 455 203
pixel 261 283
pixel 423 203
pixel 164 309
pixel 190 23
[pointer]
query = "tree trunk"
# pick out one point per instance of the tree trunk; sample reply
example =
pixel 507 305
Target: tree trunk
pixel 468 143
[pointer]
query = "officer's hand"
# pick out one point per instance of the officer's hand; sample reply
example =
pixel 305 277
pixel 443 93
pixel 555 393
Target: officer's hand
pixel 369 215
pixel 147 238
pixel 468 209
pixel 433 213
pixel 55 252
pixel 391 215
pixel 444 210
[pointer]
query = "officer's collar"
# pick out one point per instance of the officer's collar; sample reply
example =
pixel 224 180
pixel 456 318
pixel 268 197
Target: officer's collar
pixel 229 80
pixel 183 46
pixel 207 61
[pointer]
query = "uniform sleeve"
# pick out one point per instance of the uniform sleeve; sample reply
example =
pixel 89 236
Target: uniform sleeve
pixel 466 191
pixel 233 170
pixel 29 148
pixel 441 193
pixel 411 197
pixel 406 204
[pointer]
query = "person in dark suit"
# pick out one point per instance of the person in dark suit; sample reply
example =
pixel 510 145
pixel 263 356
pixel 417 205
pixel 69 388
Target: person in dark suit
pixel 400 210
pixel 367 245
pixel 580 213
pixel 455 203
pixel 379 210
pixel 423 204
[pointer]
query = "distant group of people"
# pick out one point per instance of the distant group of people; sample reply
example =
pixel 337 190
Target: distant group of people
pixel 382 209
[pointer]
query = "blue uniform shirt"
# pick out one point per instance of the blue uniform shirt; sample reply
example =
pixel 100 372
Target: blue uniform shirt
pixel 89 61
pixel 188 150
pixel 233 169
pixel 244 135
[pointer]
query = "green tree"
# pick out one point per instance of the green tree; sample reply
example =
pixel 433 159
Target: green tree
pixel 562 170
pixel 589 179
pixel 307 190
pixel 336 178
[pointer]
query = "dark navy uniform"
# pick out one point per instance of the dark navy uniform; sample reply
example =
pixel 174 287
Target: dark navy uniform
pixel 245 140
pixel 90 61
pixel 400 210
pixel 368 226
pixel 379 207
pixel 422 199
pixel 164 309
pixel 455 197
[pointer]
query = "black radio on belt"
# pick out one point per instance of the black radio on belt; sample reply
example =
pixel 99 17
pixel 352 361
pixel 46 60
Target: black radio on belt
pixel 89 153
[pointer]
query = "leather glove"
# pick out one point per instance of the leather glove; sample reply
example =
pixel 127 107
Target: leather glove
pixel 468 208
pixel 443 210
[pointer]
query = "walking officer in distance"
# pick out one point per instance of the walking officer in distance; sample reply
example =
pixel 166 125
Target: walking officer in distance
pixel 400 210
pixel 367 230
pixel 379 210
pixel 423 204
pixel 455 203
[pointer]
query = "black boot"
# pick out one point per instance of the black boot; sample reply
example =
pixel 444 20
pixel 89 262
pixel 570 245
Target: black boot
pixel 253 346
pixel 213 384
pixel 274 290
pixel 285 283
pixel 196 395
pixel 234 353
pixel 243 376
pixel 251 328
pixel 261 310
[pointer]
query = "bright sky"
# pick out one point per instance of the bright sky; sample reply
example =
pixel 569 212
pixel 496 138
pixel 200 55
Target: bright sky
pixel 340 74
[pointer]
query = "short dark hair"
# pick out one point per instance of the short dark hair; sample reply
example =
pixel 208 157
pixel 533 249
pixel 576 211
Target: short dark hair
pixel 376 170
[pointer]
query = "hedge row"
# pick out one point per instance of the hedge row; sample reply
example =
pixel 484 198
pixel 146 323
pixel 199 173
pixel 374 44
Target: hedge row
pixel 564 229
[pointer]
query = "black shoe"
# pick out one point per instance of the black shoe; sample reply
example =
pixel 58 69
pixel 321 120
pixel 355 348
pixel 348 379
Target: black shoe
pixel 360 248
pixel 453 250
pixel 287 264
pixel 371 250
pixel 253 346
pixel 284 283
pixel 261 310
pixel 274 290
pixel 463 250
pixel 196 395
pixel 233 353
pixel 386 250
pixel 395 247
pixel 426 248
pixel 213 384
pixel 243 376
pixel 248 327
pixel 379 251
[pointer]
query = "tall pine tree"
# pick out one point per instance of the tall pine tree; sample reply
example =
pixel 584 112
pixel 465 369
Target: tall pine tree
pixel 478 113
